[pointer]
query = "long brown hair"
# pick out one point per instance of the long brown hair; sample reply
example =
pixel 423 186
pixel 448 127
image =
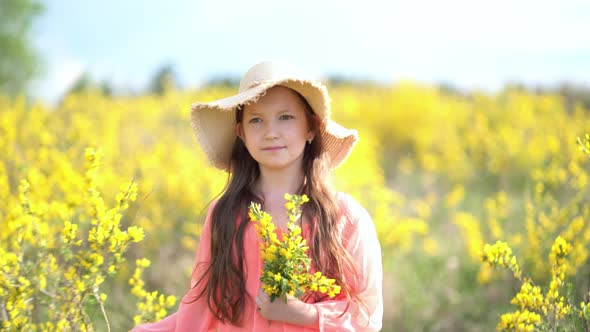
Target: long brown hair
pixel 225 287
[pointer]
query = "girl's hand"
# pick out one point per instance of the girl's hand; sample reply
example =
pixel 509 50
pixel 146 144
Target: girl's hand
pixel 294 311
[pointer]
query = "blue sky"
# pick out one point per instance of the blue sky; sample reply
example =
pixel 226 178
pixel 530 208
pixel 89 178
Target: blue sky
pixel 470 44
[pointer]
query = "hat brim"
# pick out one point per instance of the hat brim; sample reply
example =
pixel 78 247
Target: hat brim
pixel 214 122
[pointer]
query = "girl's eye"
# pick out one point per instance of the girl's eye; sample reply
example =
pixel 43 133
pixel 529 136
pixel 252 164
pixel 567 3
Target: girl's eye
pixel 286 117
pixel 255 120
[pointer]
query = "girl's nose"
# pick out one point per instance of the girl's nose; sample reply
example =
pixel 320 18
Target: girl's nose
pixel 270 131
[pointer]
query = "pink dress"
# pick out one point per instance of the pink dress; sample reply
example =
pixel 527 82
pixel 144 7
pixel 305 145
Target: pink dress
pixel 360 239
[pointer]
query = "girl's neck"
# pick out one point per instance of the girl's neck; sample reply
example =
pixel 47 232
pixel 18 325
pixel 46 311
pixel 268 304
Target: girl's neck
pixel 276 184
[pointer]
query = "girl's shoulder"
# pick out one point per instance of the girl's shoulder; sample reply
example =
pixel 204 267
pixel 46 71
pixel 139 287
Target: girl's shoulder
pixel 356 222
pixel 351 208
pixel 211 206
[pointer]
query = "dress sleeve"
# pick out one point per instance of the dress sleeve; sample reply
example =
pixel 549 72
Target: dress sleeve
pixel 360 239
pixel 195 316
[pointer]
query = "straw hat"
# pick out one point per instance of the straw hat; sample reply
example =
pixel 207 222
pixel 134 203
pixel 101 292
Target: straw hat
pixel 214 122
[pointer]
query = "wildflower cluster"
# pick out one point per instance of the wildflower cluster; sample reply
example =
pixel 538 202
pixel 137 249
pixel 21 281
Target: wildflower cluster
pixel 500 254
pixel 535 308
pixel 521 321
pixel 554 302
pixel 286 264
pixel 584 143
pixel 152 305
pixel 55 257
pixel 529 297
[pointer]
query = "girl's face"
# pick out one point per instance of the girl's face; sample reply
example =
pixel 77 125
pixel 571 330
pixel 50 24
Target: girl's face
pixel 275 129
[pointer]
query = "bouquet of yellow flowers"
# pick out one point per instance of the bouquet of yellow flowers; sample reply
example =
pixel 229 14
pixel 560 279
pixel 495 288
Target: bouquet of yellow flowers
pixel 286 264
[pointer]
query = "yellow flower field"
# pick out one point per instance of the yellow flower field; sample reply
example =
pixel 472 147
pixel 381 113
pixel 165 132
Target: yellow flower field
pixel 103 200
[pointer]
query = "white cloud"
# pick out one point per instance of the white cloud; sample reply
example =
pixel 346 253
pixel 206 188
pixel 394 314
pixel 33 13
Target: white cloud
pixel 62 72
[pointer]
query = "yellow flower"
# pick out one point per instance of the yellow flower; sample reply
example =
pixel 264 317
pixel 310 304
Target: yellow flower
pixel 500 254
pixel 529 297
pixel 80 286
pixel 69 231
pixel 584 143
pixel 290 205
pixel 286 253
pixel 70 273
pixel 170 301
pixel 135 233
pixel 584 310
pixel 519 321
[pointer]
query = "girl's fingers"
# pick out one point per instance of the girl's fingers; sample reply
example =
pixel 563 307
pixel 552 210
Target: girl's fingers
pixel 262 298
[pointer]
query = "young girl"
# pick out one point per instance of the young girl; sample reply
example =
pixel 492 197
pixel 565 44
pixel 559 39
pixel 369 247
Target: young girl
pixel 275 137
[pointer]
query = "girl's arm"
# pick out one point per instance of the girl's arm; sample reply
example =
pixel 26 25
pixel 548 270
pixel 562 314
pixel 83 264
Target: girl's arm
pixel 194 316
pixel 363 245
